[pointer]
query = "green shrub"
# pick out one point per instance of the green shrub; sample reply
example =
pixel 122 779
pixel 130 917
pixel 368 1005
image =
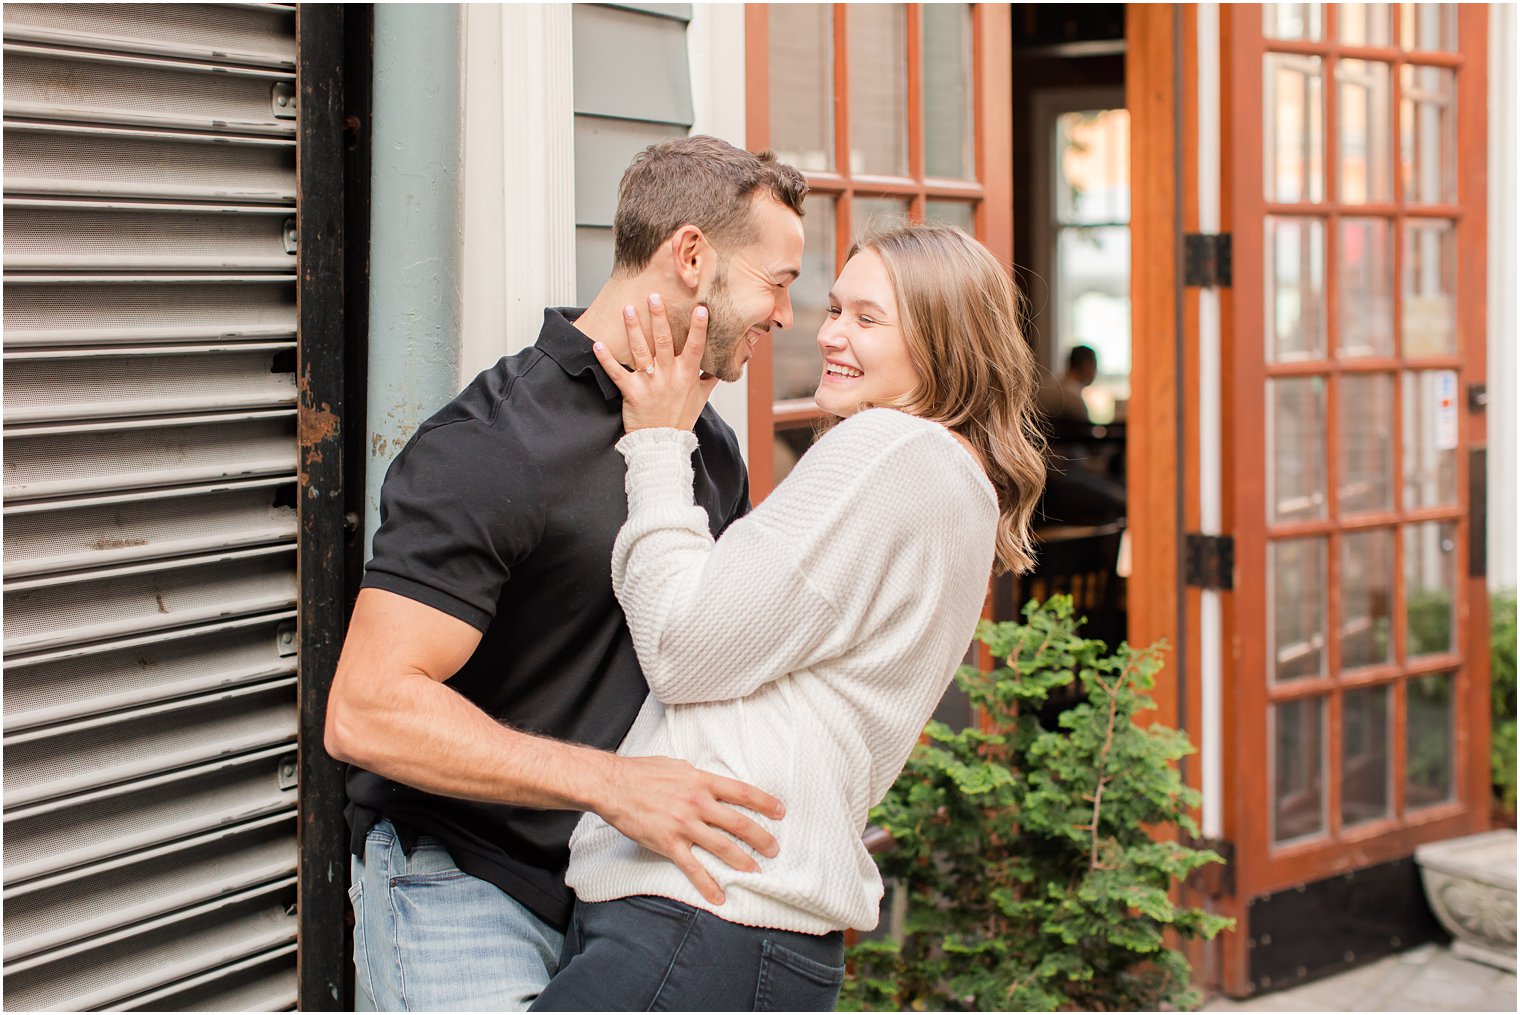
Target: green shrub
pixel 1430 621
pixel 1033 877
pixel 1502 682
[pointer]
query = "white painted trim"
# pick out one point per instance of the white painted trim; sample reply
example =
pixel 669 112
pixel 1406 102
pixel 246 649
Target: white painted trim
pixel 1503 265
pixel 715 52
pixel 536 212
pixel 483 264
pixel 1210 727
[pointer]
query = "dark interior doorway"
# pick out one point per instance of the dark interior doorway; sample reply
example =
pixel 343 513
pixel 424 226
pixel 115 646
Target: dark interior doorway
pixel 1072 257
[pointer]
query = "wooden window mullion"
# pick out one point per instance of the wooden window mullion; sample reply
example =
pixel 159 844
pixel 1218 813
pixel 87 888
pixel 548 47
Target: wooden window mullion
pixel 844 206
pixel 1470 707
pixel 757 112
pixel 978 165
pixel 1327 213
pixel 954 190
pixel 916 161
pixel 757 85
pixel 1398 697
pixel 873 185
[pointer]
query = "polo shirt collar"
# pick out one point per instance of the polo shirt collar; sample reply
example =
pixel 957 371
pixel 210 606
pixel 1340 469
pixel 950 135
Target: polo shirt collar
pixel 568 346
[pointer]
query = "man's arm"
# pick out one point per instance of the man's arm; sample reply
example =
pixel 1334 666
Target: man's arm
pixel 391 712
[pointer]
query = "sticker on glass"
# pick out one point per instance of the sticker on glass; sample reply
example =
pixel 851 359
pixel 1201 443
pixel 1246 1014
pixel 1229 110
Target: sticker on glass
pixel 1446 411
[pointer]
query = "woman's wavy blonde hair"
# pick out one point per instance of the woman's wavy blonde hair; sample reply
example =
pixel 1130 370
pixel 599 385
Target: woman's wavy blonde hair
pixel 959 312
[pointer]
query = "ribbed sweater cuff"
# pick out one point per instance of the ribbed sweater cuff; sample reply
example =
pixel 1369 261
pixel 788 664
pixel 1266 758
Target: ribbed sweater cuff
pixel 659 467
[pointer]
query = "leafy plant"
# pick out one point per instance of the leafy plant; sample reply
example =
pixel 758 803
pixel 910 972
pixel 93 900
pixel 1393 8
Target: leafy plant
pixel 1428 745
pixel 1033 876
pixel 1502 684
pixel 1429 621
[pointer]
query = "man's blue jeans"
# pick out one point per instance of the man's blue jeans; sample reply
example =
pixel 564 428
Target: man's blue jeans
pixel 429 937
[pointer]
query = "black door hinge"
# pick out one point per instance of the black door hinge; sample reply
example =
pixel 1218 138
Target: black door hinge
pixel 1206 260
pixel 1477 512
pixel 1477 398
pixel 1210 561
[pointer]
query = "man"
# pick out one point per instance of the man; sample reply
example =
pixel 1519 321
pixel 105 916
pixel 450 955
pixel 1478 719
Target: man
pixel 1061 398
pixel 488 672
pixel 1077 490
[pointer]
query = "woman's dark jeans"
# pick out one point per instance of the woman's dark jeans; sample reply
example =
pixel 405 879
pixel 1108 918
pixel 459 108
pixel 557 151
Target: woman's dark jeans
pixel 652 954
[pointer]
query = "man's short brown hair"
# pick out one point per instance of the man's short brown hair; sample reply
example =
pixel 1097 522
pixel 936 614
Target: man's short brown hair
pixel 701 181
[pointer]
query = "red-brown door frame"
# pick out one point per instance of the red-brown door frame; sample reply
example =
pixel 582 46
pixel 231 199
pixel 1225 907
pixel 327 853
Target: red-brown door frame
pixel 1161 49
pixel 1260 868
pixel 1151 96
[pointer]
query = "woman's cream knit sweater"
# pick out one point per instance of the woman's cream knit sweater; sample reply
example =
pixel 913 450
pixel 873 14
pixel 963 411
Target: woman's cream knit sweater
pixel 802 652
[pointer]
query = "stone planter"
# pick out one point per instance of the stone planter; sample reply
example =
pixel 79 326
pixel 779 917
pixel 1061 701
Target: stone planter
pixel 1470 884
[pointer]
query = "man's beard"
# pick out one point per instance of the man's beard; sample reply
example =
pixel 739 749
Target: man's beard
pixel 724 330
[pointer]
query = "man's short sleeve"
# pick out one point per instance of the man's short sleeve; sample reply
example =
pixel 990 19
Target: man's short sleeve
pixel 460 507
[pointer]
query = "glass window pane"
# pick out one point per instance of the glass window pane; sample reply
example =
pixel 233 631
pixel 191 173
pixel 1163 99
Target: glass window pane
pixel 789 445
pixel 1430 587
pixel 802 84
pixel 1296 449
pixel 1296 584
pixel 1364 313
pixel 1430 438
pixel 795 360
pixel 1430 289
pixel 1428 134
pixel 1092 167
pixel 1428 740
pixel 1092 305
pixel 1295 115
pixel 960 214
pixel 877 36
pixel 1365 144
pixel 1366 774
pixel 1366 24
pixel 1298 769
pixel 1430 27
pixel 1295 289
pixel 1366 439
pixel 1366 598
pixel 1293 21
pixel 876 214
pixel 947 91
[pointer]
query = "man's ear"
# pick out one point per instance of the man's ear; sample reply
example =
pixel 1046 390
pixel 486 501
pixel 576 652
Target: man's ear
pixel 688 248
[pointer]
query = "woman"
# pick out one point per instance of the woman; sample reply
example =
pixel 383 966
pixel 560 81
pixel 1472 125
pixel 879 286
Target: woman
pixel 805 649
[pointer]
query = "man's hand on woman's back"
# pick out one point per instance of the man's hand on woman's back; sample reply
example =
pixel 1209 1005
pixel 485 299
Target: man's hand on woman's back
pixel 669 806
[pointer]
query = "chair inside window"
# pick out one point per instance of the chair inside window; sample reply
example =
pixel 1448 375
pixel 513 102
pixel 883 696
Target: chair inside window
pixel 1081 563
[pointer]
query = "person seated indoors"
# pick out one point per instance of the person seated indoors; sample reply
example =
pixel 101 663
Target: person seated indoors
pixel 1061 397
pixel 1075 493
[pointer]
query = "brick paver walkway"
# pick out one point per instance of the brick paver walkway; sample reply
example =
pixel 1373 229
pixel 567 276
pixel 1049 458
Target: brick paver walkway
pixel 1429 978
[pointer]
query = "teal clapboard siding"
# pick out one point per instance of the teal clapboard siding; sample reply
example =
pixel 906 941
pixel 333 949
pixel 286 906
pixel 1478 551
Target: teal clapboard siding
pixel 632 88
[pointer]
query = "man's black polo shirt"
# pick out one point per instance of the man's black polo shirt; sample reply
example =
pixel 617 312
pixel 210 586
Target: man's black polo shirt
pixel 501 511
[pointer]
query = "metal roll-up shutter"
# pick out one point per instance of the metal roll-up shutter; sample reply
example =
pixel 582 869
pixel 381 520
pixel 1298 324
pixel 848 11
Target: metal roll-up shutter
pixel 150 706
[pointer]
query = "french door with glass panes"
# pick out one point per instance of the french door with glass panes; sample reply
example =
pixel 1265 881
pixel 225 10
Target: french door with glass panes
pixel 1354 178
pixel 895 112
